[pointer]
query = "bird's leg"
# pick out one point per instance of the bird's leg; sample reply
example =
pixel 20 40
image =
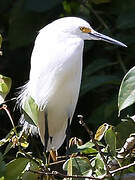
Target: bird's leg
pixel 46 136
pixel 68 134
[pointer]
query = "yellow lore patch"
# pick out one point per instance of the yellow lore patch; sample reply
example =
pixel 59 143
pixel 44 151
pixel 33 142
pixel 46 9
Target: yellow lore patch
pixel 85 29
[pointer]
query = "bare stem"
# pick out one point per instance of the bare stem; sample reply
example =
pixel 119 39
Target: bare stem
pixel 4 106
pixel 12 99
pixel 94 141
pixel 123 168
pixel 56 162
pixel 56 173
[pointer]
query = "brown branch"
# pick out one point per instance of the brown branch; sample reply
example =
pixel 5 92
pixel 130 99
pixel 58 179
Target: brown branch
pixel 8 113
pixel 94 141
pixel 56 173
pixel 57 162
pixel 4 106
pixel 123 168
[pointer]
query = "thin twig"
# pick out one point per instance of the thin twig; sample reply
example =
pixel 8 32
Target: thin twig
pixel 94 141
pixel 4 106
pixel 32 159
pixel 56 173
pixel 12 99
pixel 56 162
pixel 9 115
pixel 122 168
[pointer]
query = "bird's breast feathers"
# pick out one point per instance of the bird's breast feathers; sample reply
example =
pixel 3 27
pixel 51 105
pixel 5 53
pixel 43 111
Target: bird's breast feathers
pixel 58 70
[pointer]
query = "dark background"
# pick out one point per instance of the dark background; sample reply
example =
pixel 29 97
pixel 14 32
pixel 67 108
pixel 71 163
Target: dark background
pixel 104 64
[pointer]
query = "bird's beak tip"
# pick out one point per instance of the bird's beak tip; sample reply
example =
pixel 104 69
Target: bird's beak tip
pixel 124 45
pixel 99 36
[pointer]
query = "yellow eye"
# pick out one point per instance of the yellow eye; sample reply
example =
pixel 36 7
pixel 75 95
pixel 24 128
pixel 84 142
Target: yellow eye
pixel 85 29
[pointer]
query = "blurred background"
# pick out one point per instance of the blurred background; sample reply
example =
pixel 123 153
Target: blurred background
pixel 104 64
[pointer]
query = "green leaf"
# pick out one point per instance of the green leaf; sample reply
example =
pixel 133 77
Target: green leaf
pixel 42 6
pixel 27 175
pixel 24 144
pixel 31 111
pixel 77 166
pixel 5 85
pixel 2 178
pixel 101 131
pixel 15 168
pixel 85 148
pixel 7 138
pixel 97 81
pixel 110 139
pixel 127 90
pixel 124 129
pixel 98 165
pixel 7 149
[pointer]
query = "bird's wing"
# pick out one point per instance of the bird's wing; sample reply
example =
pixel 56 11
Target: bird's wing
pixel 51 58
pixel 54 85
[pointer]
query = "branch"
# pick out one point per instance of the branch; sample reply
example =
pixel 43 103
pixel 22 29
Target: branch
pixel 56 162
pixel 4 106
pixel 122 168
pixel 94 141
pixel 56 173
pixel 12 99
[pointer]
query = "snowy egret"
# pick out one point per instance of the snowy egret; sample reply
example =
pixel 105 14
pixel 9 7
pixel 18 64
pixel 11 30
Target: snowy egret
pixel 55 77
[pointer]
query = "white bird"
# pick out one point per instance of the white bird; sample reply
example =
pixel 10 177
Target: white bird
pixel 55 76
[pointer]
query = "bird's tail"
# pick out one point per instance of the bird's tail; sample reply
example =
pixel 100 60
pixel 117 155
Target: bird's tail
pixel 22 95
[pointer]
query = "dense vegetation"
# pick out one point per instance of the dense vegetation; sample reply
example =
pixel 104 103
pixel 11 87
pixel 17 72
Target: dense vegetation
pixel 103 72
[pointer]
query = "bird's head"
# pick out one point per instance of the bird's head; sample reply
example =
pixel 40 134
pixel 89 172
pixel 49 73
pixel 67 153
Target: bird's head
pixel 77 27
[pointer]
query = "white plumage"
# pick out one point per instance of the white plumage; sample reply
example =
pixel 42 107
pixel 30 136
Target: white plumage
pixel 55 75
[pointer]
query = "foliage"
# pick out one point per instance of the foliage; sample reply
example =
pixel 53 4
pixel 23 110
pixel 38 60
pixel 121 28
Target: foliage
pixel 94 159
pixel 102 75
pixel 127 90
pixel 30 111
pixel 5 85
